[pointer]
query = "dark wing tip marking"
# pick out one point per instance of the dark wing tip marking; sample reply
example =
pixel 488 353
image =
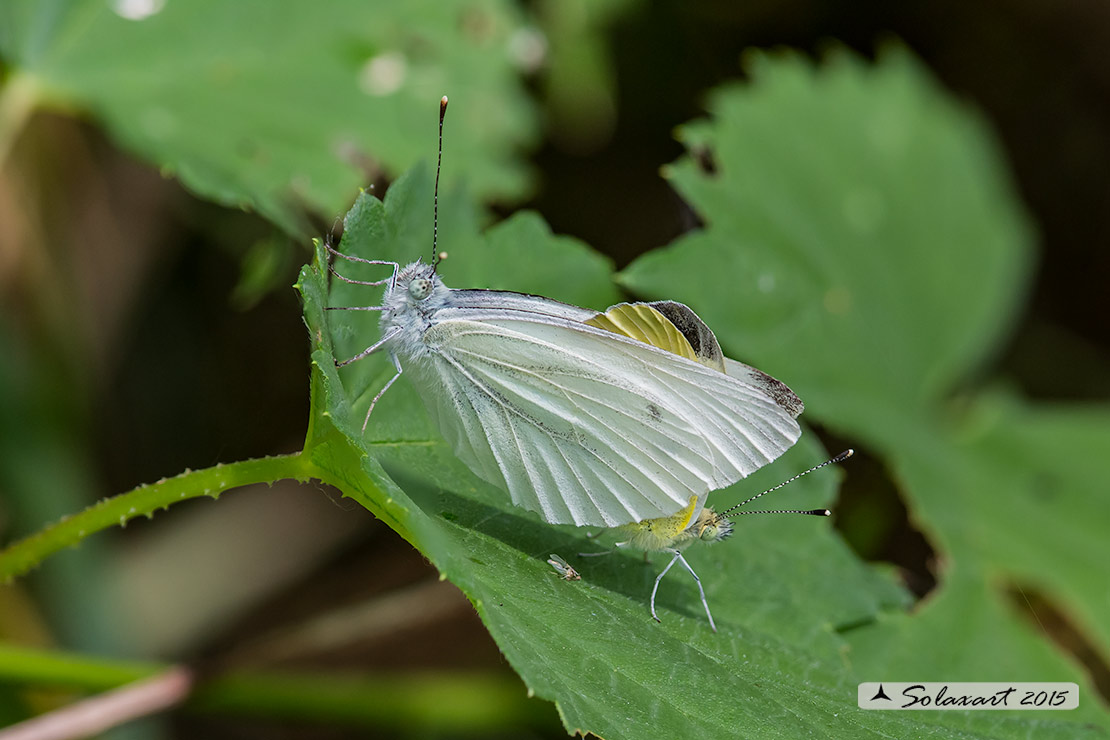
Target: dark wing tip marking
pixel 779 392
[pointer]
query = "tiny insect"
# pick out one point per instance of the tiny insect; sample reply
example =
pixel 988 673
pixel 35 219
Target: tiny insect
pixel 563 568
pixel 588 418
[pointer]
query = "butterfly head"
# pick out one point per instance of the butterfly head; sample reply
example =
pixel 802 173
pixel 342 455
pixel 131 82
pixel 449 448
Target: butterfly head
pixel 416 288
pixel 711 527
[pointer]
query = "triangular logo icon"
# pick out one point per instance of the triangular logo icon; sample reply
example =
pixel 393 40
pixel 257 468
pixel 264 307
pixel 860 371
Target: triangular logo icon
pixel 881 694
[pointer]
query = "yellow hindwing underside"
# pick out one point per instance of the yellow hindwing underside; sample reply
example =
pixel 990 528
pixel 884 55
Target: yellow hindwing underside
pixel 644 323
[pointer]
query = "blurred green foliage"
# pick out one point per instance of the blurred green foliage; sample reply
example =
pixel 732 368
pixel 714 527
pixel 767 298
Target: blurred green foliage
pixel 283 106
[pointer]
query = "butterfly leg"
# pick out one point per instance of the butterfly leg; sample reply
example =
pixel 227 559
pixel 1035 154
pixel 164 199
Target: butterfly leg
pixel 678 556
pixel 374 401
pixel 655 588
pixel 352 258
pixel 371 350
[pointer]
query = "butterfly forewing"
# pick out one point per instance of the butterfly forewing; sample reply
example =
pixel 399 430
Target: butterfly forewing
pixel 587 427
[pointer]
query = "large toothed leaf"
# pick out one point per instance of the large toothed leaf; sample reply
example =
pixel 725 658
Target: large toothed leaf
pixel 780 589
pixel 861 241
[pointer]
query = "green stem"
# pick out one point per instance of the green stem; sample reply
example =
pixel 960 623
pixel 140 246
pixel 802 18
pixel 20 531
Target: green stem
pixel 21 556
pixel 459 702
pixel 24 665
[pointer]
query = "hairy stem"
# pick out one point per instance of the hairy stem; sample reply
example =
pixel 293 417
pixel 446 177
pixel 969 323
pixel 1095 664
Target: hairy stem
pixel 22 556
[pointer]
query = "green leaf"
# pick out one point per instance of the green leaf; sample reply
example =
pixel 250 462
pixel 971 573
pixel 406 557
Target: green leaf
pixel 972 634
pixel 856 218
pixel 780 589
pixel 278 104
pixel 1020 490
pixel 863 245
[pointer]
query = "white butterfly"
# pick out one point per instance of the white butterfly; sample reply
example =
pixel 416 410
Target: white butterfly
pixel 586 418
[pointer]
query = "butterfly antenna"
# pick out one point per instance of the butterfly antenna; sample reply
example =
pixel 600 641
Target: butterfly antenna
pixel 435 192
pixel 811 512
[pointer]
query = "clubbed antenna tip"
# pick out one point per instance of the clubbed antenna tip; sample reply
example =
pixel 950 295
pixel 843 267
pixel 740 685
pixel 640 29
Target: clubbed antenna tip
pixel 435 193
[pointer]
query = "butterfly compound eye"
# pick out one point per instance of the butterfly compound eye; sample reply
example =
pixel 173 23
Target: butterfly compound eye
pixel 420 288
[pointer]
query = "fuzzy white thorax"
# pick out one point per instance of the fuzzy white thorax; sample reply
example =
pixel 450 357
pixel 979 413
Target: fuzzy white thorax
pixel 410 303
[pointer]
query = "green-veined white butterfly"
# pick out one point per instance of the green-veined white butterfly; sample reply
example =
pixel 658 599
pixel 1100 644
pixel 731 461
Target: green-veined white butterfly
pixel 624 418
